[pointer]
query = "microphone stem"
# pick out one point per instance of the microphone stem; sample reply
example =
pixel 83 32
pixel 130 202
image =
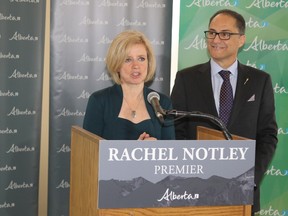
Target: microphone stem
pixel 212 118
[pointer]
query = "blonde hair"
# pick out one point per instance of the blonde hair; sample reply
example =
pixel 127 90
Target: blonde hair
pixel 118 52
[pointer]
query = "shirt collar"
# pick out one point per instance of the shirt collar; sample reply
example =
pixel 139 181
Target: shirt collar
pixel 215 68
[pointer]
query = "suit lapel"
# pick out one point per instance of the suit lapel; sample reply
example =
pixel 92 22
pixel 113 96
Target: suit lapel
pixel 243 85
pixel 206 90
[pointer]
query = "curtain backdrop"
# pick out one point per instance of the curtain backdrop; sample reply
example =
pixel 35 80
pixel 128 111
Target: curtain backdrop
pixel 81 32
pixel 21 64
pixel 266 49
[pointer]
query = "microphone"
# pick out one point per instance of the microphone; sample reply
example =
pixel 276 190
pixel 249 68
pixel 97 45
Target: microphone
pixel 198 114
pixel 154 98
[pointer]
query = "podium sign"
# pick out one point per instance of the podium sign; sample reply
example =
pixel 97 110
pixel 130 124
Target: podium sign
pixel 170 173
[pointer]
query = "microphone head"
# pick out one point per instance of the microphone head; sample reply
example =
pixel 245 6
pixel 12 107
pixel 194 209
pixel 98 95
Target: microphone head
pixel 152 95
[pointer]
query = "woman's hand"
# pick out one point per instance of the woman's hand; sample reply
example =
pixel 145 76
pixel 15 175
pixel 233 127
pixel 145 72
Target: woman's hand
pixel 146 136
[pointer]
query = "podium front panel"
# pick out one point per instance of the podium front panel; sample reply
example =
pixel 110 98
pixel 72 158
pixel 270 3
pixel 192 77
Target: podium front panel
pixel 149 174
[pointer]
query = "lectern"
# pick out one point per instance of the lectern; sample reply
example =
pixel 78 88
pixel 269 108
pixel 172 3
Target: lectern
pixel 84 182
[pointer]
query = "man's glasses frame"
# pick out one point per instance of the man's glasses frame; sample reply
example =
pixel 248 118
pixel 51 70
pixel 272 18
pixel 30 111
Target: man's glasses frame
pixel 222 35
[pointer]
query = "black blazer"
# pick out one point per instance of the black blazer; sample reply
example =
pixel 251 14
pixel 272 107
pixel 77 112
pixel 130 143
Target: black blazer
pixel 252 115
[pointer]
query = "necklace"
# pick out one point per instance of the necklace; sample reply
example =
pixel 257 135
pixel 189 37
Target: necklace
pixel 133 111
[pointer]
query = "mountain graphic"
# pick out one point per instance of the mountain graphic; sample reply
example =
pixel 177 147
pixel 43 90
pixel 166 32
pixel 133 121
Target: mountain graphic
pixel 141 193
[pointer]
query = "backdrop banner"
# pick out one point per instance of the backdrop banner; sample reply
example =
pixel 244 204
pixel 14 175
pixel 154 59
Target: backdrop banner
pixel 21 64
pixel 81 32
pixel 266 49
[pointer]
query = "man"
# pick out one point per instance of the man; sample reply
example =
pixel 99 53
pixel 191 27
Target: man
pixel 198 88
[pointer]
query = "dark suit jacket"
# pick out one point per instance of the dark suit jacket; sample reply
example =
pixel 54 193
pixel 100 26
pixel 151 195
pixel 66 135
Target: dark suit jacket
pixel 252 115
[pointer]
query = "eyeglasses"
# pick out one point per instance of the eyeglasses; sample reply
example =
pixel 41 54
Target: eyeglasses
pixel 222 35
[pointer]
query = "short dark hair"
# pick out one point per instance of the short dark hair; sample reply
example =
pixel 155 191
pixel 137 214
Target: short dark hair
pixel 240 21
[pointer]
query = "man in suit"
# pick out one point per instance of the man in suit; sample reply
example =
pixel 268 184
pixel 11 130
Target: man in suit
pixel 252 115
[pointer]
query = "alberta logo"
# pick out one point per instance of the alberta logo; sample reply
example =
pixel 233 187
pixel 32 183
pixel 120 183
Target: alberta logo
pixel 276 172
pixel 273 212
pixel 7 205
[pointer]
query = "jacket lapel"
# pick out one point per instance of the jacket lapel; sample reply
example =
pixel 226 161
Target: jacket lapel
pixel 207 90
pixel 243 85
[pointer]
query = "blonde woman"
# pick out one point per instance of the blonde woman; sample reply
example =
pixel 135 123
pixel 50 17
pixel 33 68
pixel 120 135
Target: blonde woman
pixel 122 112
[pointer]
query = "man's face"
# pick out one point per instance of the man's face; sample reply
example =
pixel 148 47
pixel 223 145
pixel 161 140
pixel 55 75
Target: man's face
pixel 224 52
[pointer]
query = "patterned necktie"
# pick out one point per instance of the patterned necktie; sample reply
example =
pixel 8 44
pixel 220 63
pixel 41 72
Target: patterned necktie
pixel 226 97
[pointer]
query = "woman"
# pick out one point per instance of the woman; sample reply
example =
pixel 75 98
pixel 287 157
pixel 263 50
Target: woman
pixel 121 112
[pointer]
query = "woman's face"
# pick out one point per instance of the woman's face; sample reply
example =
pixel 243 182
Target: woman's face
pixel 134 69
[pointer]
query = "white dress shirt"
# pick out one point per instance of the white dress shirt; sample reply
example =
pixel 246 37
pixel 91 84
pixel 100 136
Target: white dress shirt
pixel 217 79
